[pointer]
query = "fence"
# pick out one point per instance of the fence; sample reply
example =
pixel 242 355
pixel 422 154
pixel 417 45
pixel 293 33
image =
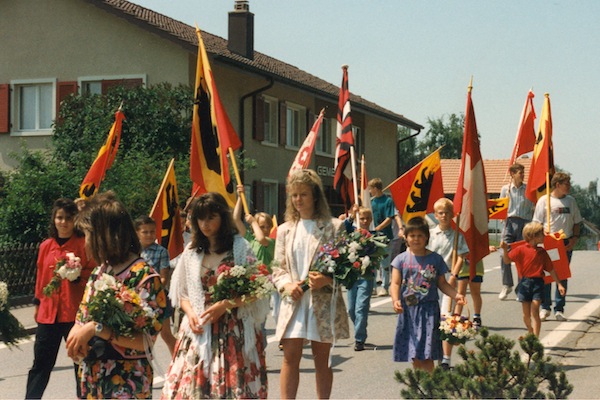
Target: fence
pixel 18 269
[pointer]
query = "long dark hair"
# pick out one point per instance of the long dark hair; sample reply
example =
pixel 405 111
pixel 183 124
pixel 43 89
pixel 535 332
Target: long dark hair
pixel 70 208
pixel 205 206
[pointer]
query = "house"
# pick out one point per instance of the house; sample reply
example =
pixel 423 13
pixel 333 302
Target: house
pixel 54 48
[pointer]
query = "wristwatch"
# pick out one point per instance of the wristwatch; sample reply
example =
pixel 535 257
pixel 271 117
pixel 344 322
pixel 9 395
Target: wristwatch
pixel 98 328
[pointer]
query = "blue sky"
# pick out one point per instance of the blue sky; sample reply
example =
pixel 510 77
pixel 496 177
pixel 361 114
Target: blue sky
pixel 416 58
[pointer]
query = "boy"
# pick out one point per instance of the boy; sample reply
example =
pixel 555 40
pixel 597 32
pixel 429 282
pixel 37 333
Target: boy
pixel 158 258
pixel 384 212
pixel 531 262
pixel 441 241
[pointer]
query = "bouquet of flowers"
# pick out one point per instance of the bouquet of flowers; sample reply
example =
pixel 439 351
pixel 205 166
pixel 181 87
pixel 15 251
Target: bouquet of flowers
pixel 67 268
pixel 456 329
pixel 251 280
pixel 121 308
pixel 352 255
pixel 10 327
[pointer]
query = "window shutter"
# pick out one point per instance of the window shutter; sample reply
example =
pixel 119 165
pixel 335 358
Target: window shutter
pixel 5 108
pixel 258 131
pixel 310 118
pixel 63 90
pixel 126 83
pixel 282 199
pixel 282 123
pixel 258 195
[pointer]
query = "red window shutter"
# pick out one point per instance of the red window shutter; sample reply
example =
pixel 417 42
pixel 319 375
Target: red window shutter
pixel 258 195
pixel 5 108
pixel 282 123
pixel 64 89
pixel 127 83
pixel 258 131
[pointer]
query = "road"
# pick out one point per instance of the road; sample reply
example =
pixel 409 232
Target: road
pixel 370 373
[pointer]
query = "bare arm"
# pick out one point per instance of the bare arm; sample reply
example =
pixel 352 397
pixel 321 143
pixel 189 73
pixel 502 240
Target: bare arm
pixel 505 257
pixel 383 224
pixel 237 212
pixel 448 290
pixel 258 233
pixel 395 290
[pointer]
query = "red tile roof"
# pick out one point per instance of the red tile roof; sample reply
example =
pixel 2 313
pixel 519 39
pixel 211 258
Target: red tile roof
pixel 496 174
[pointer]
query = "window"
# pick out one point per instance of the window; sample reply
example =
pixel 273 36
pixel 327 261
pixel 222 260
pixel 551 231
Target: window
pixel 34 105
pixel 100 84
pixel 359 141
pixel 326 140
pixel 295 125
pixel 271 120
pixel 270 197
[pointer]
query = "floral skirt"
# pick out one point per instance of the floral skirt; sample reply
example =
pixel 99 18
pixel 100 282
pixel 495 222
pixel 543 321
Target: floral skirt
pixel 231 373
pixel 116 379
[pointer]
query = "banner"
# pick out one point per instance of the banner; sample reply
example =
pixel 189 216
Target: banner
pixel 525 141
pixel 342 179
pixel 498 208
pixel 542 162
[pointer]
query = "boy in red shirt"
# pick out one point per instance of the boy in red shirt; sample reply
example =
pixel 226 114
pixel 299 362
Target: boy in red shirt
pixel 531 262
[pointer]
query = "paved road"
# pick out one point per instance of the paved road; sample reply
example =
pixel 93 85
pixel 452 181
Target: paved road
pixel 370 374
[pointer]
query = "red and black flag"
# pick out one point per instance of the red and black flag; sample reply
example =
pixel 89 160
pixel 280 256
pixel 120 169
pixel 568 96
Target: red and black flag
pixel 525 141
pixel 542 162
pixel 498 208
pixel 342 180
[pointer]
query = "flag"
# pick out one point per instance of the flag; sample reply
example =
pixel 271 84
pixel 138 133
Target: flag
pixel 542 161
pixel 365 196
pixel 470 201
pixel 165 212
pixel 91 183
pixel 555 246
pixel 273 232
pixel 342 181
pixel 498 208
pixel 525 140
pixel 302 159
pixel 212 135
pixel 415 192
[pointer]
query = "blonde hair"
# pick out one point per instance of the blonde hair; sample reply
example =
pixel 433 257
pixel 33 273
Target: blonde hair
pixel 531 230
pixel 365 211
pixel 310 178
pixel 266 217
pixel 444 202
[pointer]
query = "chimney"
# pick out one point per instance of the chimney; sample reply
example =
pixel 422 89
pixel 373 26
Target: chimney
pixel 241 30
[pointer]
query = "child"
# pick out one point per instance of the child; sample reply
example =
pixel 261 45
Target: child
pixel 531 262
pixel 442 242
pixel 416 275
pixel 158 258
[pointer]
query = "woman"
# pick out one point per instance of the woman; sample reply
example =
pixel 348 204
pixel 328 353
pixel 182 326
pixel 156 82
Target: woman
pixel 115 366
pixel 55 314
pixel 220 351
pixel 308 315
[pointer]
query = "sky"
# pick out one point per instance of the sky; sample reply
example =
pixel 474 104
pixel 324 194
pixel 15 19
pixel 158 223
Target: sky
pixel 416 58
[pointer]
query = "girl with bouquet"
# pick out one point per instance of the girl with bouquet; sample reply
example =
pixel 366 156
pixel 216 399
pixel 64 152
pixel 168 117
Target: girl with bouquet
pixel 55 312
pixel 220 350
pixel 114 364
pixel 308 316
pixel 417 275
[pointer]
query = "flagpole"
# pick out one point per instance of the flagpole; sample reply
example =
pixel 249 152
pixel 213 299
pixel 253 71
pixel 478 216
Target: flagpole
pixel 238 180
pixel 162 185
pixel 354 180
pixel 548 202
pixel 362 176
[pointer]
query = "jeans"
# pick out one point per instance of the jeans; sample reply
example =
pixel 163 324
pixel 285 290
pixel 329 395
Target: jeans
pixel 513 232
pixel 359 302
pixel 559 300
pixel 384 271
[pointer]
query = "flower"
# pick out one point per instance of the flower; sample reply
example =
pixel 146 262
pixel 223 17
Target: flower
pixel 456 329
pixel 68 268
pixel 251 280
pixel 3 296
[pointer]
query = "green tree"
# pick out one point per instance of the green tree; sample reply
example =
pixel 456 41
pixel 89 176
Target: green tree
pixel 447 133
pixel 408 154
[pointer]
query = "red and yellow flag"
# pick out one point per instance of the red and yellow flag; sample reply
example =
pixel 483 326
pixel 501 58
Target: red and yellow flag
pixel 525 141
pixel 165 212
pixel 91 183
pixel 415 192
pixel 212 135
pixel 542 162
pixel 498 208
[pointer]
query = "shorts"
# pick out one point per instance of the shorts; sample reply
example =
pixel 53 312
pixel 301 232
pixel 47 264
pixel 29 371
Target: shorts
pixel 477 279
pixel 465 273
pixel 530 289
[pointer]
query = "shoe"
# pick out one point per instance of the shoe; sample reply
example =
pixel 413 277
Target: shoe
pixel 505 291
pixel 381 292
pixel 477 323
pixel 359 346
pixel 544 314
pixel 445 366
pixel 560 316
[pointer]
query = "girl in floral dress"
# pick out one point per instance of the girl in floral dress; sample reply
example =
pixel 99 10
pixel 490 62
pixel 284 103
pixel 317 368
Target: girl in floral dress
pixel 220 351
pixel 417 275
pixel 115 366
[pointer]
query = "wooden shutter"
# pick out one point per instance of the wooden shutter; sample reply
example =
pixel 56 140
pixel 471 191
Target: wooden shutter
pixel 64 89
pixel 258 195
pixel 282 123
pixel 258 125
pixel 5 108
pixel 282 202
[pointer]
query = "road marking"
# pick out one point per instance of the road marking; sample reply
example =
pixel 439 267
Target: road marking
pixel 559 333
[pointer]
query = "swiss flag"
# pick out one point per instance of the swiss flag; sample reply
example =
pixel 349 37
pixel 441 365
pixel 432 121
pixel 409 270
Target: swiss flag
pixel 304 155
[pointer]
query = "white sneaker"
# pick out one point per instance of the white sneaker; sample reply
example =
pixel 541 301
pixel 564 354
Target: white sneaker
pixel 505 291
pixel 544 314
pixel 381 292
pixel 560 316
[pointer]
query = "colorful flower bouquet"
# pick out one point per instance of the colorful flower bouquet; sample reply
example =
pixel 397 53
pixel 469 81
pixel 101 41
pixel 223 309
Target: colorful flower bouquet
pixel 10 327
pixel 251 280
pixel 456 329
pixel 67 268
pixel 121 308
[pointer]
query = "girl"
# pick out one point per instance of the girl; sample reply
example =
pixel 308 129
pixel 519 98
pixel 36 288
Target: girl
pixel 417 274
pixel 55 315
pixel 115 367
pixel 308 315
pixel 220 351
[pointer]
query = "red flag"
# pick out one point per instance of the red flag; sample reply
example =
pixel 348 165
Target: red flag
pixel 416 191
pixel 212 135
pixel 342 181
pixel 302 159
pixel 525 140
pixel 91 183
pixel 555 247
pixel 470 200
pixel 165 213
pixel 498 208
pixel 365 196
pixel 542 162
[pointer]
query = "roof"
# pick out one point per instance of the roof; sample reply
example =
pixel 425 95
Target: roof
pixel 185 35
pixel 496 174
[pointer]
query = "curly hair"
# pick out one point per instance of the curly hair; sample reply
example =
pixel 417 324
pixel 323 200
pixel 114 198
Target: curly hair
pixel 310 178
pixel 204 207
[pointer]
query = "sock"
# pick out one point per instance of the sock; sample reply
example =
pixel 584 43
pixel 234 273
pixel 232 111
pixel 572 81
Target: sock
pixel 476 316
pixel 446 360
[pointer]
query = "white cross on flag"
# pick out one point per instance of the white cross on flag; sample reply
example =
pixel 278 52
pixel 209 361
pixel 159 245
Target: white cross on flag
pixel 302 159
